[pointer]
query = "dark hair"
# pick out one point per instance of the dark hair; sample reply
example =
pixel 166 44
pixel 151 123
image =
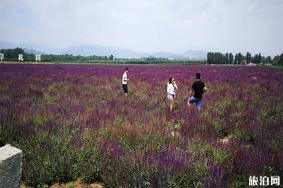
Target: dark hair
pixel 126 68
pixel 198 75
pixel 170 80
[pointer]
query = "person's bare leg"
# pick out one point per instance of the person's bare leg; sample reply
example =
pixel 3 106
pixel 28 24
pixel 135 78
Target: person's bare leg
pixel 189 107
pixel 171 105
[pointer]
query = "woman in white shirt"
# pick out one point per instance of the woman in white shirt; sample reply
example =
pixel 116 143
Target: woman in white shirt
pixel 171 92
pixel 125 80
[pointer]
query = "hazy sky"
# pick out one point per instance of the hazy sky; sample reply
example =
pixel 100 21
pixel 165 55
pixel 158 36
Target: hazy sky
pixel 147 25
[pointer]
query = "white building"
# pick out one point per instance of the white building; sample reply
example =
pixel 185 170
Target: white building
pixel 1 57
pixel 38 57
pixel 21 57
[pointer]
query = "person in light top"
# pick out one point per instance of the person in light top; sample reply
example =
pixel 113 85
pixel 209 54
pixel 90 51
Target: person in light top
pixel 125 80
pixel 171 92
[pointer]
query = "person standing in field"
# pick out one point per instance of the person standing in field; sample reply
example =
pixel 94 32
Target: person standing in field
pixel 125 80
pixel 171 92
pixel 198 88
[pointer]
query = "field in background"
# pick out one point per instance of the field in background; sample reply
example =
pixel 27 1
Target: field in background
pixel 72 121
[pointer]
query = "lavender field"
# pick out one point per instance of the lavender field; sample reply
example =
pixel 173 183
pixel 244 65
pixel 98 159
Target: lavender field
pixel 72 121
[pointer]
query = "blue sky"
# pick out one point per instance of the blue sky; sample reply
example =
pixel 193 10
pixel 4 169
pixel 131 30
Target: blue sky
pixel 147 25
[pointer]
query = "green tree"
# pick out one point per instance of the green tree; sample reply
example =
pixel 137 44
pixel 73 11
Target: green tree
pixel 210 57
pixel 111 57
pixel 226 58
pixel 280 60
pixel 230 59
pixel 268 60
pixel 276 59
pixel 239 58
pixel 257 58
pixel 248 57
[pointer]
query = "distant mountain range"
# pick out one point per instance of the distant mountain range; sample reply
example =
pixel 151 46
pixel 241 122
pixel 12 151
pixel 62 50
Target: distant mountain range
pixel 87 50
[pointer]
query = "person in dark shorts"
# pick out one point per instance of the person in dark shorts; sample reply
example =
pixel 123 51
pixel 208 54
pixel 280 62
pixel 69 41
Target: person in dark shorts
pixel 198 88
pixel 125 80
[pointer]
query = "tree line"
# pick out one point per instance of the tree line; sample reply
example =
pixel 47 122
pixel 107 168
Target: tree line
pixel 238 58
pixel 212 58
pixel 12 55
